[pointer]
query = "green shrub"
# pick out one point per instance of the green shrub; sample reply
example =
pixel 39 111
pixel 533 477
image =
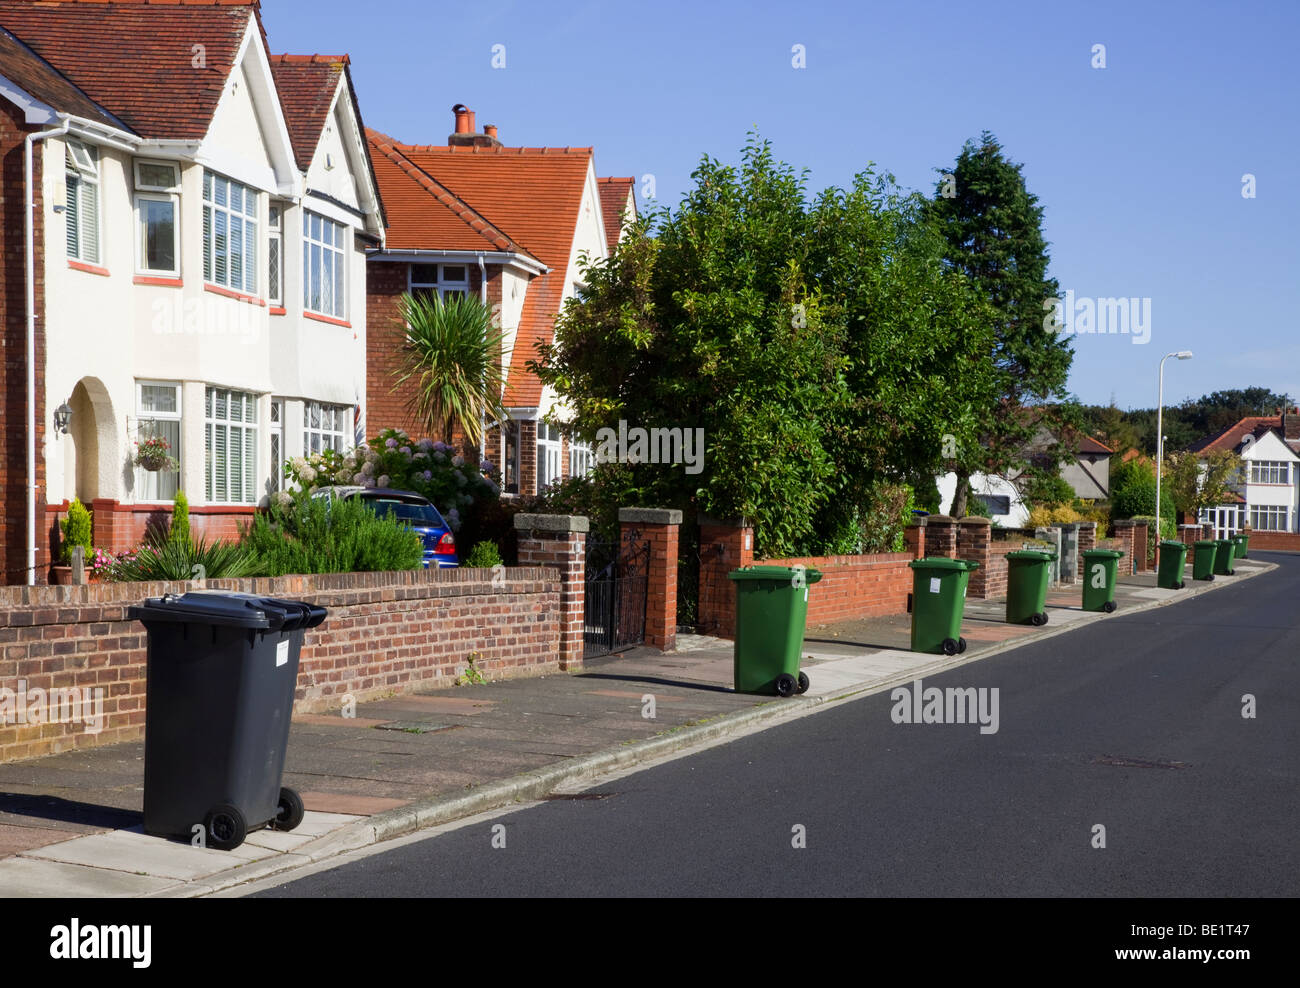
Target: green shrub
pixel 180 530
pixel 313 535
pixel 484 555
pixel 1047 491
pixel 1138 497
pixel 167 558
pixel 77 530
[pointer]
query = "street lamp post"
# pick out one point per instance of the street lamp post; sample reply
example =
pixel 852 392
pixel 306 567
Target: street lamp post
pixel 1160 430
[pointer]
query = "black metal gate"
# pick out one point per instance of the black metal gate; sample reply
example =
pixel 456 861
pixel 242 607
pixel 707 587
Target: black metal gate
pixel 617 579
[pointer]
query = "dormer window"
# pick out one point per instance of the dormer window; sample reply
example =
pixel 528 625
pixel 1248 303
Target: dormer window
pixel 82 187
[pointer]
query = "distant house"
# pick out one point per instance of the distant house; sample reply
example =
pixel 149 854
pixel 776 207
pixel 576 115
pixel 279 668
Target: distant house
pixel 508 224
pixel 201 211
pixel 1267 491
pixel 1086 469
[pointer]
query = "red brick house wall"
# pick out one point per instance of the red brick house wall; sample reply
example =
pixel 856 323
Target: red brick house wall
pixel 13 352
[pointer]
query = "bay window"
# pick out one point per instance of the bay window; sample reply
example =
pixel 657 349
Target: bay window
pixel 229 234
pixel 230 421
pixel 324 266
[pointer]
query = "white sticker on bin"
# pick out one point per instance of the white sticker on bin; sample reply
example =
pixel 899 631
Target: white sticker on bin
pixel 282 653
pixel 934 584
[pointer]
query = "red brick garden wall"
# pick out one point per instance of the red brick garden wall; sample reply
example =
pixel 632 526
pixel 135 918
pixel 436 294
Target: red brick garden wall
pixel 854 586
pixel 385 632
pixel 1285 541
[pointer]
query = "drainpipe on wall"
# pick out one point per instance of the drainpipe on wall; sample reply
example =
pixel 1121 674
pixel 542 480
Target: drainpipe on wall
pixel 30 222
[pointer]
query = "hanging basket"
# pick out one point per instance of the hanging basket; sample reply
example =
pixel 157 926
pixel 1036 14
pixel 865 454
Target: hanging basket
pixel 156 464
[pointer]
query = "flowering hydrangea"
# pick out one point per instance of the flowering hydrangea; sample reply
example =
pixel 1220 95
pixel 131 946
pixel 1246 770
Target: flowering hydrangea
pixel 430 468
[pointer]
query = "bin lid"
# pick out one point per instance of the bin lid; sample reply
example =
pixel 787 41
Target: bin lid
pixel 1172 544
pixel 1208 542
pixel 774 574
pixel 943 562
pixel 229 609
pixel 1102 554
pixel 1037 555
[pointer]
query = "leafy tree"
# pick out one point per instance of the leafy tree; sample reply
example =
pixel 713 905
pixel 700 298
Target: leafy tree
pixel 823 348
pixel 993 229
pixel 1194 482
pixel 451 356
pixel 1134 493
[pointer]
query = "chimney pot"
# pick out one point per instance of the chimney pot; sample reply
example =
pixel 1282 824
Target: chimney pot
pixel 464 119
pixel 490 130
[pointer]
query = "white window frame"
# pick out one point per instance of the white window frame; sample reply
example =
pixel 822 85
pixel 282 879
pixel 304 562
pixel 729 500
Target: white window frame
pixel 311 271
pixel 275 438
pixel 342 437
pixel 581 458
pixel 249 429
pixel 1270 518
pixel 442 284
pixel 1270 472
pixel 141 236
pixel 141 416
pixel 251 225
pixel 143 186
pixel 82 170
pixel 548 455
pixel 275 239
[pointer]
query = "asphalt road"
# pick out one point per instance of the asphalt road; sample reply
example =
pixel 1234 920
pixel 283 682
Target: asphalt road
pixel 1134 724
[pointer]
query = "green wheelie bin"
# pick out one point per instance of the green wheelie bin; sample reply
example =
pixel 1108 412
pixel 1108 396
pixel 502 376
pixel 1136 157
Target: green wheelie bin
pixel 1207 550
pixel 771 608
pixel 1028 574
pixel 1242 539
pixel 1173 560
pixel 938 599
pixel 1100 569
pixel 1223 558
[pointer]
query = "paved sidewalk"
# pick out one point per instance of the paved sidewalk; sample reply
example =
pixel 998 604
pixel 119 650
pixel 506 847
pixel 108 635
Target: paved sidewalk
pixel 70 823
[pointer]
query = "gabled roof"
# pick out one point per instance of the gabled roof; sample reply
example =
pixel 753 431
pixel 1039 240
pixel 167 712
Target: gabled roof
pixel 1232 437
pixel 307 84
pixel 614 193
pixel 525 200
pixel 423 214
pixel 139 58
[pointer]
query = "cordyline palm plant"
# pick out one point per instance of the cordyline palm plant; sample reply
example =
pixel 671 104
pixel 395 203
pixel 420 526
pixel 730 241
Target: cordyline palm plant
pixel 450 353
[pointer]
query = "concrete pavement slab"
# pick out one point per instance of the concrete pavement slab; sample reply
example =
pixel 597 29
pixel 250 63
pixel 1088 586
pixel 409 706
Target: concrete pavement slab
pixel 30 878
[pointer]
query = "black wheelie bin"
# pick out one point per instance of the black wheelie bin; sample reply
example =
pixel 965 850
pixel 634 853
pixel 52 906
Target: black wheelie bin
pixel 220 679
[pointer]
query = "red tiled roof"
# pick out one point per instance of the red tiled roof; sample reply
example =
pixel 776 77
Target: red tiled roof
pixel 614 193
pixel 1233 436
pixel 307 84
pixel 27 70
pixel 1087 444
pixel 524 199
pixel 136 58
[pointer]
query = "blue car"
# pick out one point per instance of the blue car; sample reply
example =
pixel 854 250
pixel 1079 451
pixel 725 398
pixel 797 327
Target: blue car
pixel 412 510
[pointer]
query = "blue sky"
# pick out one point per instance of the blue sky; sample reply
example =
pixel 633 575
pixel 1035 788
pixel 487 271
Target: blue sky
pixel 1139 164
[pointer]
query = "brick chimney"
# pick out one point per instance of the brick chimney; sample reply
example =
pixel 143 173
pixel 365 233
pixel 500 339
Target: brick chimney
pixel 465 135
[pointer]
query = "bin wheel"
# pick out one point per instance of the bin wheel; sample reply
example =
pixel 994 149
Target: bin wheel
pixel 1108 607
pixel 289 812
pixel 961 645
pixel 950 647
pixel 1210 576
pixel 225 827
pixel 786 685
pixel 1179 585
pixel 1038 620
pixel 803 683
